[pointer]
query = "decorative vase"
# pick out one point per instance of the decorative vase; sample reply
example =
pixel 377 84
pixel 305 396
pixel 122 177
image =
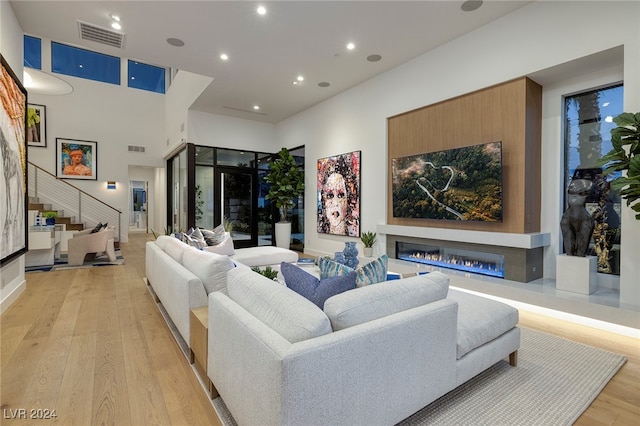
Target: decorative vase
pixel 351 254
pixel 51 220
pixel 339 257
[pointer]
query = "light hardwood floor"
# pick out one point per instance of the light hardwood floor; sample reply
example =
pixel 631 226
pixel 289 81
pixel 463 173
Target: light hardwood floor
pixel 91 345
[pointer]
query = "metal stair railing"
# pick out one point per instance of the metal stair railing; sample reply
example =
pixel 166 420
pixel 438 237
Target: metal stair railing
pixel 75 202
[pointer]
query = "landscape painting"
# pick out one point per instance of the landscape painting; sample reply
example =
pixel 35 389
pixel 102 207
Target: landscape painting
pixel 455 184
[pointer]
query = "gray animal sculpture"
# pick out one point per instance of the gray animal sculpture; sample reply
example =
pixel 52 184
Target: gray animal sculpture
pixel 577 224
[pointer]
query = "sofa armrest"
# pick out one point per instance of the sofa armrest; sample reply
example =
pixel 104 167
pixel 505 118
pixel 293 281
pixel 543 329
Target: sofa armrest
pixel 178 289
pixel 378 372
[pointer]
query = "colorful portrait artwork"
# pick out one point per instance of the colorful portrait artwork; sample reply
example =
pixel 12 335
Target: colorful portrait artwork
pixel 36 125
pixel 13 176
pixel 76 159
pixel 339 194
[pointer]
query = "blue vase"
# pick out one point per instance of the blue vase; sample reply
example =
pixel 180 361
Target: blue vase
pixel 339 257
pixel 351 254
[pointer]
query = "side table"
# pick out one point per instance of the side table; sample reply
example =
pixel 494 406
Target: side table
pixel 198 323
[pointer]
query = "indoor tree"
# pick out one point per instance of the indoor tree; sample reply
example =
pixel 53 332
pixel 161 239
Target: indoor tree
pixel 624 157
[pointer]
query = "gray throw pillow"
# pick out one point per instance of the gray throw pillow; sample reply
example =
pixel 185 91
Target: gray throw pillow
pixel 215 236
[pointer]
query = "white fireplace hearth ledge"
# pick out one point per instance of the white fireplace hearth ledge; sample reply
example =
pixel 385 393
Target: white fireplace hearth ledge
pixel 503 239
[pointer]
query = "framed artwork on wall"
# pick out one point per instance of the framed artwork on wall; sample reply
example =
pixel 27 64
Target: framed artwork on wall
pixel 13 165
pixel 36 125
pixel 339 194
pixel 76 159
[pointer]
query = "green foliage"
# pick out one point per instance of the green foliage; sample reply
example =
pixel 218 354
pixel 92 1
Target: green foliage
pixel 474 191
pixel 368 238
pixel 286 180
pixel 50 214
pixel 627 134
pixel 199 204
pixel 268 272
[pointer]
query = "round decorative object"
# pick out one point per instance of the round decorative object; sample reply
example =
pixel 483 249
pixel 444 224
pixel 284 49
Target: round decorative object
pixel 351 254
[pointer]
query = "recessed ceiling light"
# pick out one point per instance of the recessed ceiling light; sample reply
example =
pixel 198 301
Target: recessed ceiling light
pixel 374 58
pixel 116 26
pixel 295 83
pixel 300 78
pixel 471 5
pixel 114 17
pixel 175 42
pixel 256 107
pixel 224 57
pixel 324 84
pixel 351 46
pixel 261 10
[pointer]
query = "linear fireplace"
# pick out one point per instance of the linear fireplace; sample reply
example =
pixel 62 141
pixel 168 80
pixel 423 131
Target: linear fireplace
pixel 514 257
pixel 479 262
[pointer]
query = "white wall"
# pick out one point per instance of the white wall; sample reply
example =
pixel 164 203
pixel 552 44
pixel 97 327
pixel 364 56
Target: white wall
pixel 539 36
pixel 185 89
pixel 113 116
pixel 230 132
pixel 12 279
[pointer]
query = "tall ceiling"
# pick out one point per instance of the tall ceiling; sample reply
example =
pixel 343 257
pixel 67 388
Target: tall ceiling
pixel 266 52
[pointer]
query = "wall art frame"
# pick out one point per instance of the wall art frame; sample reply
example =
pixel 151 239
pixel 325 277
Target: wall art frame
pixel 14 239
pixel 37 125
pixel 338 200
pixel 76 159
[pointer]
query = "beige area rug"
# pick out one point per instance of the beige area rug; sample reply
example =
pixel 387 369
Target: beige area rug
pixel 554 382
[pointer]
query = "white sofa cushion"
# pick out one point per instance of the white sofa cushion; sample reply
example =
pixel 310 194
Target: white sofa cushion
pixel 480 320
pixel 173 247
pixel 371 302
pixel 264 255
pixel 211 268
pixel 283 310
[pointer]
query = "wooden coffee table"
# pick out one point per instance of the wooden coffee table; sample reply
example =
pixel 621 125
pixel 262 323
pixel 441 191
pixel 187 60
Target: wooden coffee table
pixel 198 323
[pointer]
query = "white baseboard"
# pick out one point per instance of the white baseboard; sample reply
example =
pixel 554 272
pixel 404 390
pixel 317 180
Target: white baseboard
pixel 13 296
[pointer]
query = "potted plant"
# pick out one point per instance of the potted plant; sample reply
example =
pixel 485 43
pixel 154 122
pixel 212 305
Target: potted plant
pixel 620 160
pixel 368 239
pixel 287 184
pixel 50 217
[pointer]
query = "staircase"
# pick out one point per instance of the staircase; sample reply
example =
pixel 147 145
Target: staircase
pixel 71 225
pixel 76 208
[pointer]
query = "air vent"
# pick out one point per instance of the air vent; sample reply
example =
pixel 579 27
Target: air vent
pixel 101 35
pixel 134 148
pixel 243 110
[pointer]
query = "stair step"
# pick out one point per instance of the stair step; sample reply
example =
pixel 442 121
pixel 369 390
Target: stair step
pixel 75 227
pixel 40 206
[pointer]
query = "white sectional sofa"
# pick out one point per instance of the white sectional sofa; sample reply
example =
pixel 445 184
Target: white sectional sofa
pixel 373 356
pixel 182 276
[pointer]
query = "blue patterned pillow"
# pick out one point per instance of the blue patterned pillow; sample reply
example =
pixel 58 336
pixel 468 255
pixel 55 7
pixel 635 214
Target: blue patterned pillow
pixel 370 273
pixel 314 289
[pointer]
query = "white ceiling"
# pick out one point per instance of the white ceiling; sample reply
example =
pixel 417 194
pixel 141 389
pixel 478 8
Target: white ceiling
pixel 266 53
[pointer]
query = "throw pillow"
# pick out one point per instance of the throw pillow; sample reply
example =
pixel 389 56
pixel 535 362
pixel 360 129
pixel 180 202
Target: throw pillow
pixel 97 228
pixel 215 236
pixel 370 273
pixel 225 247
pixel 194 242
pixel 314 289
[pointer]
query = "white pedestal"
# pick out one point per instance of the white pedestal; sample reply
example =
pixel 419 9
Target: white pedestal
pixel 577 274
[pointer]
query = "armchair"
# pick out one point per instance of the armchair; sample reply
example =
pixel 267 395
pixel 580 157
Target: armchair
pixel 85 242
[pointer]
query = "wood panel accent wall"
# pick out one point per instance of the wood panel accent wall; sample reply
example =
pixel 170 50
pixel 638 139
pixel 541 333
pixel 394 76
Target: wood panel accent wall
pixel 510 112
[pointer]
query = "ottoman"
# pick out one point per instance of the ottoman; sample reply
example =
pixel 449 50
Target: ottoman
pixel 485 327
